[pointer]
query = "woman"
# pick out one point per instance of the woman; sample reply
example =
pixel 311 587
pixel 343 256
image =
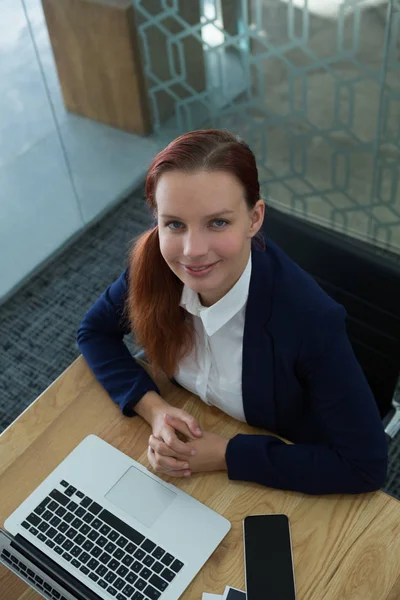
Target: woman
pixel 227 315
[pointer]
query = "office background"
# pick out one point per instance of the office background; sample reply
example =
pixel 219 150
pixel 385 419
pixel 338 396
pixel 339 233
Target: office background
pixel 314 90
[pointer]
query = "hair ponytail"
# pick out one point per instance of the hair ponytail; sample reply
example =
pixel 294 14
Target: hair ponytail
pixel 160 325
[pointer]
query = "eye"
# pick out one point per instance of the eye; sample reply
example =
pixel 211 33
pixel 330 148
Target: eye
pixel 220 221
pixel 173 223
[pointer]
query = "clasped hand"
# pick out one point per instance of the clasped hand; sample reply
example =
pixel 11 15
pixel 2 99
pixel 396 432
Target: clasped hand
pixel 198 450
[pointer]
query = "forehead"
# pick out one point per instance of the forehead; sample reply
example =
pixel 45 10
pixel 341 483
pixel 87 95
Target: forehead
pixel 180 193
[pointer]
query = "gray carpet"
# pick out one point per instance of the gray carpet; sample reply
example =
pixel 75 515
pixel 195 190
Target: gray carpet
pixel 38 324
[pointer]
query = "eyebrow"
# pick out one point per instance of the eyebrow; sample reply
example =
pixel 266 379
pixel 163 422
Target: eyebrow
pixel 217 214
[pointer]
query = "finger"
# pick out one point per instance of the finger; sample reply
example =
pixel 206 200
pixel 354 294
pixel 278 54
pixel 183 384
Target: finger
pixel 168 463
pixel 168 435
pixel 191 423
pixel 160 447
pixel 180 473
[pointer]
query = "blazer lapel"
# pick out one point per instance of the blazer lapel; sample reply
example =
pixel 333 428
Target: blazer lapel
pixel 258 385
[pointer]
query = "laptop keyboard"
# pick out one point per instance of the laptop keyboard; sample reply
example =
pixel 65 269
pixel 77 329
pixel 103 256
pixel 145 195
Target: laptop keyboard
pixel 31 576
pixel 112 554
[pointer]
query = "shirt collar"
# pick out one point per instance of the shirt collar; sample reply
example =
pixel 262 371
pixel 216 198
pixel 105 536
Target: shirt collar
pixel 215 316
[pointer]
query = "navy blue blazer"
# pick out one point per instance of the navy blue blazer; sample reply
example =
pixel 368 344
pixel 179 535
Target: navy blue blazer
pixel 300 379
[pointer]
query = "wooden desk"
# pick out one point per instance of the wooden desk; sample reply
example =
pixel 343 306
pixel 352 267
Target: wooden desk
pixel 345 547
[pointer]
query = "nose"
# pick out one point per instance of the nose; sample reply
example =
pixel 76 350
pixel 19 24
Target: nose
pixel 195 245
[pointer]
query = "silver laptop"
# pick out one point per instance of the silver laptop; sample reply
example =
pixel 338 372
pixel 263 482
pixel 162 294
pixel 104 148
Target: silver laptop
pixel 102 526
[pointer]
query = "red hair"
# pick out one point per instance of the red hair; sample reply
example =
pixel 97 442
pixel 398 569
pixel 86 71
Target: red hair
pixel 159 324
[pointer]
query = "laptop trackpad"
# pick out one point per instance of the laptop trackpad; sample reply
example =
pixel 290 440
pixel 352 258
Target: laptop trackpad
pixel 140 496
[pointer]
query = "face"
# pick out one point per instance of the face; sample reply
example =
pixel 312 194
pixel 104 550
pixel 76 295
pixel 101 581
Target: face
pixel 205 230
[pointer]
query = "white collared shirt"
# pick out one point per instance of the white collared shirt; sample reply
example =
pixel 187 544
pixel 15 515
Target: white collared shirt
pixel 213 369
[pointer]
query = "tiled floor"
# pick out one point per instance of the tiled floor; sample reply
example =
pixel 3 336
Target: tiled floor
pixel 38 324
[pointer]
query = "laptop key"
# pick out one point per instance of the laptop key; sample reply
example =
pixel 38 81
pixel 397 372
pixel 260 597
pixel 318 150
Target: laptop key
pixel 88 545
pixel 123 528
pixel 64 483
pixel 55 521
pixel 61 511
pixel 95 508
pixel 145 573
pixel 122 571
pixel 47 515
pixel 102 541
pixel 158 552
pixel 113 535
pixel 76 523
pixel 113 564
pixel 140 584
pixel 139 554
pixel 58 550
pixel 86 502
pixel 79 539
pixel 119 553
pixel 176 565
pixel 93 535
pixel 34 519
pixel 105 529
pixel 110 547
pixel 93 576
pixel 112 591
pixel 130 549
pixel 76 563
pixel 85 529
pixel 84 557
pixel 128 590
pixel 50 543
pixel 157 567
pixel 128 560
pixel 96 523
pixel 80 494
pixel 63 527
pixel 80 512
pixel 52 506
pixel 148 545
pixel 67 545
pixel 110 577
pixel 41 537
pixel 42 506
pixel 67 556
pixel 72 506
pixel 121 541
pixel 102 584
pixel 59 539
pixel 158 583
pixel 104 558
pixel 88 518
pixel 137 566
pixel 25 524
pixel 68 517
pixel 76 551
pixel 131 577
pixel 167 559
pixel 84 570
pixel 96 551
pixel 168 574
pixel 119 583
pixel 101 570
pixel 148 560
pixel 70 491
pixel 59 497
pixel 137 596
pixel 71 533
pixel 43 526
pixel 93 564
pixel 152 593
